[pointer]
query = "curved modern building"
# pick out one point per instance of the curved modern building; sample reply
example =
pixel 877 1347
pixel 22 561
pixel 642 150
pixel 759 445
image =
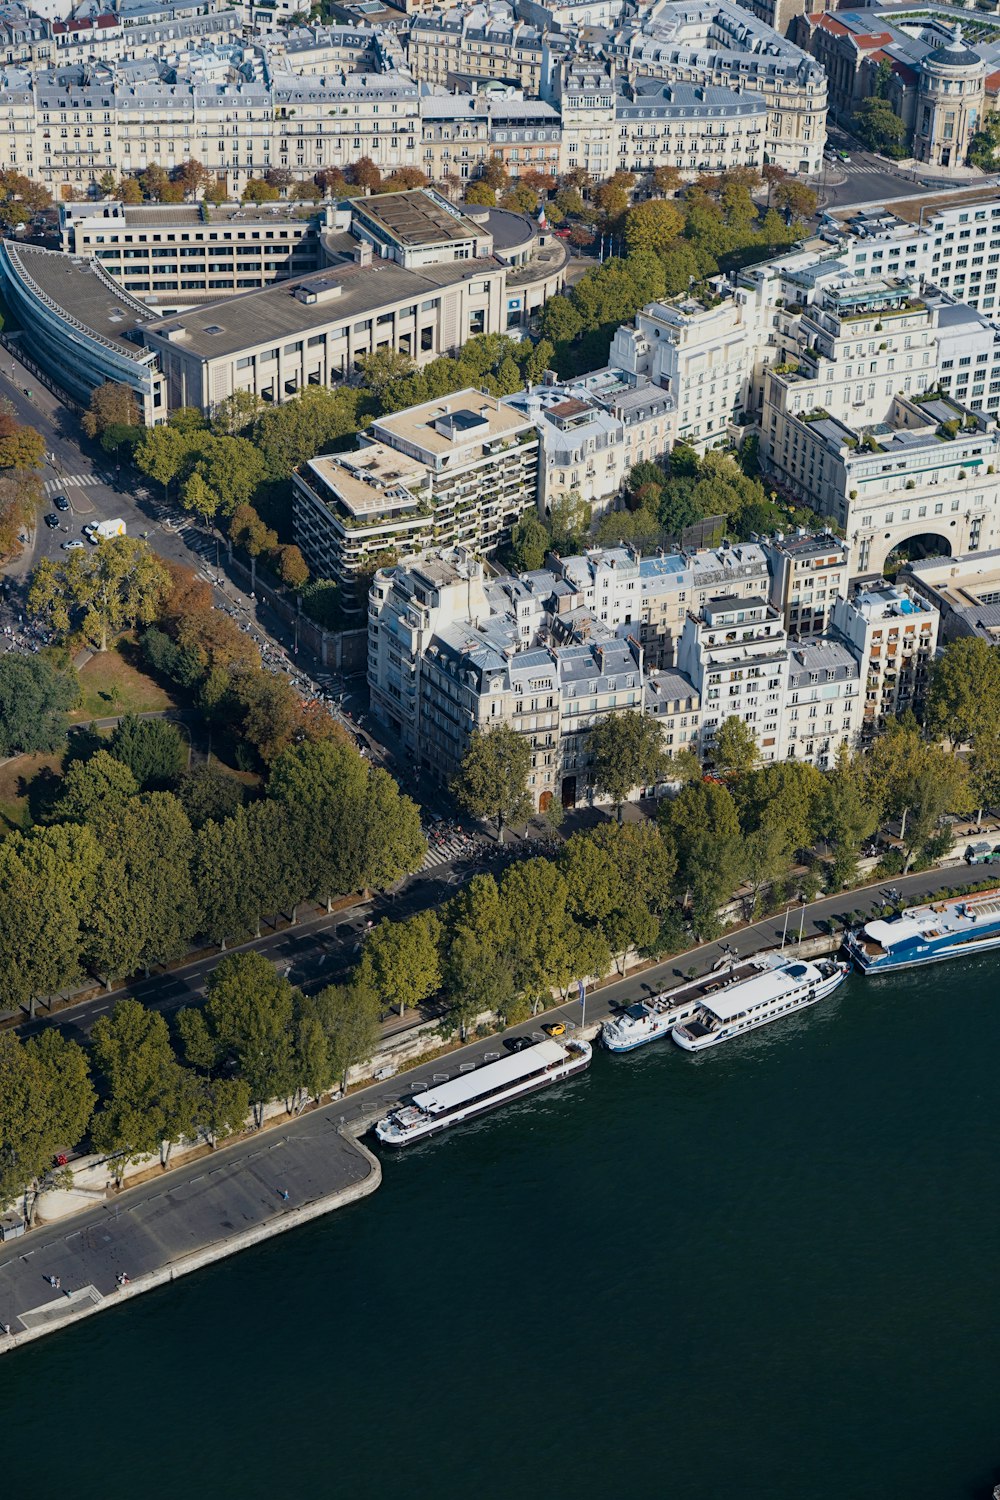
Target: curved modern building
pixel 79 326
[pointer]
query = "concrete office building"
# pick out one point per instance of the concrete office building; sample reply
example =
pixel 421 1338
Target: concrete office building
pixel 311 330
pixel 80 327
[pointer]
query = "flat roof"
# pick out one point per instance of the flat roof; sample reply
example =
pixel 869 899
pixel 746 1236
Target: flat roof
pixel 910 209
pixel 371 479
pixel 727 1003
pixel 274 312
pixel 467 409
pixel 416 218
pixel 494 1075
pixel 84 293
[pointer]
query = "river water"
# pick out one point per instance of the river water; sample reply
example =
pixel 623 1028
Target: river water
pixel 769 1272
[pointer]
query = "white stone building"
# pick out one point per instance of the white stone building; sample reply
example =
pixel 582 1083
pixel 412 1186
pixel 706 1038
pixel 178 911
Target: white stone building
pixel 735 651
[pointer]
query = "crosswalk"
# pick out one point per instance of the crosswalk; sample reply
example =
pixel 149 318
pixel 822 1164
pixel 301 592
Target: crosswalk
pixel 860 169
pixel 443 851
pixel 68 481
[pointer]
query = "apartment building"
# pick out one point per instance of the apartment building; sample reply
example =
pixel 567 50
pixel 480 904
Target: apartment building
pixel 823 701
pixel 457 472
pixel 586 92
pixel 808 572
pixel 35 41
pixel 950 241
pixel 735 651
pixel 454 134
pixel 461 46
pixel 719 43
pixel 965 592
pixel 446 658
pixel 854 427
pixel 702 351
pixel 894 633
pixel 694 127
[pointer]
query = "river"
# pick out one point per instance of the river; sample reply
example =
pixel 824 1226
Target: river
pixel 769 1271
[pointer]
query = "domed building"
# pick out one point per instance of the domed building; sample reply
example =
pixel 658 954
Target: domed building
pixel 950 103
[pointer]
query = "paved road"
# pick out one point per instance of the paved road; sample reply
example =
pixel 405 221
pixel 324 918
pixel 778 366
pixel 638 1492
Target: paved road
pixel 240 1186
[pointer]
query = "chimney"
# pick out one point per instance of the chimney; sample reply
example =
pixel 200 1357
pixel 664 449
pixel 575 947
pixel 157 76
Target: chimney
pixel 363 254
pixel 484 412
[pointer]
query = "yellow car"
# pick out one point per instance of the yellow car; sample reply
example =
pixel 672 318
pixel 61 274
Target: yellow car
pixel 554 1028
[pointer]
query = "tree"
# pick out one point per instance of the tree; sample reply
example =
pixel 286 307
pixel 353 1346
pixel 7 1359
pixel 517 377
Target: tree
pixel 492 781
pixel 145 911
pixel 111 405
pixel 152 749
pixel 163 454
pixel 92 787
pixel 365 174
pixel 735 750
pixel 401 961
pixel 45 1104
pixel 21 447
pixel 34 699
pixel 481 194
pixel 350 1018
pixel 529 542
pixel 248 1012
pixel 963 701
pixel 560 320
pixel 666 180
pixel 627 750
pixel 279 177
pixel 259 191
pixel 879 127
pixel 797 200
pixel 653 225
pixel 209 795
pixel 48 882
pixel 382 369
pixel 222 475
pixel 129 190
pixel 773 175
pixel 270 710
pixel 543 936
pixel 20 198
pixel 703 827
pixel 150 1098
pixel 292 567
pixel 785 795
pixel 193 177
pixel 114 587
pixel 153 180
pixel 20 499
pixel 223 1107
pixel 226 899
pixel 618 881
pixel 520 198
pixel 477 954
pixel 235 415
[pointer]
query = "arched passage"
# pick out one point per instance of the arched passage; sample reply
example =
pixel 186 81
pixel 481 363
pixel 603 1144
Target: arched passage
pixel 924 544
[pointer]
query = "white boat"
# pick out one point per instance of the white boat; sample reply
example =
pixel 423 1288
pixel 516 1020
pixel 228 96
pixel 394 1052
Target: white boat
pixel 772 986
pixel 648 1020
pixel 484 1088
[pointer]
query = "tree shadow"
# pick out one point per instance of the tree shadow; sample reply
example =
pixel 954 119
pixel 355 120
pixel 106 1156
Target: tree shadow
pixel 42 792
pixel 83 742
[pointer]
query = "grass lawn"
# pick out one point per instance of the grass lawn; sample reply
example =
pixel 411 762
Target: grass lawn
pixel 15 779
pixel 112 684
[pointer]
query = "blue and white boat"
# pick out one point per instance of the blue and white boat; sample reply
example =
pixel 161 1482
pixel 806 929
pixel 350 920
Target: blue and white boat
pixel 648 1020
pixel 950 928
pixel 773 985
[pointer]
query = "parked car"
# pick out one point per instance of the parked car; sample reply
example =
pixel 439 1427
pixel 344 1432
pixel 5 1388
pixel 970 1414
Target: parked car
pixel 518 1043
pixel 554 1028
pixel 60 502
pixel 52 521
pixel 72 544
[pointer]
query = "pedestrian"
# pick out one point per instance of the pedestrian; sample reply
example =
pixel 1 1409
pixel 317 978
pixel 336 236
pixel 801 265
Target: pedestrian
pixel 57 1283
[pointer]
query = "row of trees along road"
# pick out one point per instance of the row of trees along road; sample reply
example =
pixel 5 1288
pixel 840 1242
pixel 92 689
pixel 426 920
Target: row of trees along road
pixel 136 1090
pixel 121 879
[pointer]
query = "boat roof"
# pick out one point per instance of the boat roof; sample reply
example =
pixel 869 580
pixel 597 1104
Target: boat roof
pixel 941 917
pixel 733 999
pixel 638 1011
pixel 493 1076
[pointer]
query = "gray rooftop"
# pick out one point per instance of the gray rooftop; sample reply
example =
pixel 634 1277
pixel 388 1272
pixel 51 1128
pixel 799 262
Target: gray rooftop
pixel 83 293
pixel 274 312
